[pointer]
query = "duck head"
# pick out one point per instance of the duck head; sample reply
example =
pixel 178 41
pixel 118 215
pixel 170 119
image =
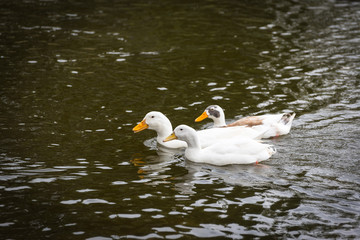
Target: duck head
pixel 214 112
pixel 155 121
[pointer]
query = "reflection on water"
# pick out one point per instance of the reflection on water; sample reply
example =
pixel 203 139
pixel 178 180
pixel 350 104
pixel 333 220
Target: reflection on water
pixel 77 76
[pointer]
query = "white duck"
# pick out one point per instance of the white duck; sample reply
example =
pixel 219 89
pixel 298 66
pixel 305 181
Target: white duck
pixel 237 150
pixel 277 124
pixel 161 124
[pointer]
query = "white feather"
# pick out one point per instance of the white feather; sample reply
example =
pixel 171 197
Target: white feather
pixel 236 150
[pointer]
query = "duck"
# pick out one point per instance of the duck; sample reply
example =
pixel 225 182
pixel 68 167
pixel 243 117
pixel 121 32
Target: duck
pixel 276 124
pixel 158 122
pixel 237 150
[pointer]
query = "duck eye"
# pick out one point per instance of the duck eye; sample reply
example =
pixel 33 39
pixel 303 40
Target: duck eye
pixel 152 116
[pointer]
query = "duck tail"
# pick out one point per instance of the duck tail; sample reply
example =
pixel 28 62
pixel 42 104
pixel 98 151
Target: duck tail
pixel 272 150
pixel 287 118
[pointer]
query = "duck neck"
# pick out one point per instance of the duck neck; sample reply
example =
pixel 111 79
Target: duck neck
pixel 220 121
pixel 193 142
pixel 164 131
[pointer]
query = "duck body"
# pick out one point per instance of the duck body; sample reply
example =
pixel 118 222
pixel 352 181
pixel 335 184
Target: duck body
pixel 237 150
pixel 277 124
pixel 272 124
pixel 210 136
pixel 161 124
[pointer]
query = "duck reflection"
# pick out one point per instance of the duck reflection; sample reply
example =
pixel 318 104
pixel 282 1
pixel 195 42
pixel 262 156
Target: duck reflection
pixel 242 175
pixel 157 167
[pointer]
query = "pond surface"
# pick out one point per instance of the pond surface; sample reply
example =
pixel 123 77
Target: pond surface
pixel 77 76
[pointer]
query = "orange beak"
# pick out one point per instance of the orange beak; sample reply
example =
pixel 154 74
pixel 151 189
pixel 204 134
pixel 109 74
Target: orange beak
pixel 170 137
pixel 141 126
pixel 202 117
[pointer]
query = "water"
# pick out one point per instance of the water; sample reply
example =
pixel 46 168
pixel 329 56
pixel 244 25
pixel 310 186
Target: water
pixel 77 76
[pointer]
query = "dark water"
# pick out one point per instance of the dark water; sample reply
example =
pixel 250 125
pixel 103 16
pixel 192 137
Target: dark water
pixel 77 76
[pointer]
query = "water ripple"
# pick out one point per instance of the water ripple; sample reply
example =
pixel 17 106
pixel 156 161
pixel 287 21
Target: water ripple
pixel 124 215
pixel 73 89
pixel 95 201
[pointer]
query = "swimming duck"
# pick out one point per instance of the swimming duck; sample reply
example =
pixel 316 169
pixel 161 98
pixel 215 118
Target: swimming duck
pixel 161 124
pixel 237 150
pixel 277 124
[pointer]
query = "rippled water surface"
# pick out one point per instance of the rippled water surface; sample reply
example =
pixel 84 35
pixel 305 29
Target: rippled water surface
pixel 77 76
